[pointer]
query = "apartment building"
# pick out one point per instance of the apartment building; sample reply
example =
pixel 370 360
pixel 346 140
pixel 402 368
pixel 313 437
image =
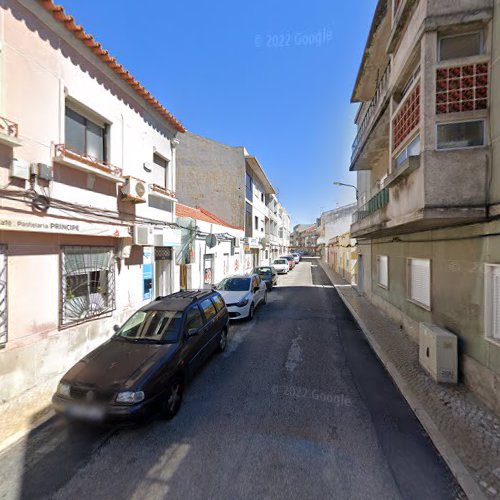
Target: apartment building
pixel 333 223
pixel 87 199
pixel 237 190
pixel 427 157
pixel 304 238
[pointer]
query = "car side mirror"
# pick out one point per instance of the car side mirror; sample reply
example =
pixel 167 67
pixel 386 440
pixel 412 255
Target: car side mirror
pixel 192 332
pixel 116 328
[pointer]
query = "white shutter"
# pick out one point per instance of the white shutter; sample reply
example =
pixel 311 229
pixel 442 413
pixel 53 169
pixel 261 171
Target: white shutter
pixel 495 303
pixel 420 281
pixel 383 271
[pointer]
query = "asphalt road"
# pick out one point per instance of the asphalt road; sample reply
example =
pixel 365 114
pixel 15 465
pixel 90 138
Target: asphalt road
pixel 297 407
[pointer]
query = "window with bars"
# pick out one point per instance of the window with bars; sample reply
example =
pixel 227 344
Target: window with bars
pixel 3 294
pixel 383 271
pixel 419 282
pixel 88 283
pixel 492 301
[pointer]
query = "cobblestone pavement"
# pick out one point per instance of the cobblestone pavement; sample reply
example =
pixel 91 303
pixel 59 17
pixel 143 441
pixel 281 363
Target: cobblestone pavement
pixel 469 427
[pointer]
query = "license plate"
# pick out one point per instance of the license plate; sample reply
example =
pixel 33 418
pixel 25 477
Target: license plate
pixel 85 412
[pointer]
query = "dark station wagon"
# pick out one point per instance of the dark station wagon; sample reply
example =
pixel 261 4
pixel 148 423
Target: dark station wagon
pixel 143 368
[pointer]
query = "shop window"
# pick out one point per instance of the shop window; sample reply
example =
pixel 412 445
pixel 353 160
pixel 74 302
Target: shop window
pixel 457 135
pixel 492 301
pixel 3 295
pixel 160 170
pixel 383 271
pixel 88 283
pixel 84 136
pixel 419 282
pixel 458 46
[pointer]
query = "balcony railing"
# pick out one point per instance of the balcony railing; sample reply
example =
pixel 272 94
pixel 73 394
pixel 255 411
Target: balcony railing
pixel 8 127
pixel 381 199
pixel 62 151
pixel 162 190
pixel 371 112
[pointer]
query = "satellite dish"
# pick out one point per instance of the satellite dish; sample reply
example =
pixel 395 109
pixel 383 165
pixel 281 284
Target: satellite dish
pixel 211 240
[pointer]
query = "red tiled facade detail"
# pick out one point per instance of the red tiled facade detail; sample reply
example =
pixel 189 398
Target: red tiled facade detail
pixel 407 118
pixel 462 88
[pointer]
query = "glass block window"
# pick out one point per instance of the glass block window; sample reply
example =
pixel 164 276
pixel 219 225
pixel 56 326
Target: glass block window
pixel 462 88
pixel 407 118
pixel 88 283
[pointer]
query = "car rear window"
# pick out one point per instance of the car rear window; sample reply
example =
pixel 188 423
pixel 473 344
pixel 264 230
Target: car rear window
pixel 280 261
pixel 219 302
pixel 208 308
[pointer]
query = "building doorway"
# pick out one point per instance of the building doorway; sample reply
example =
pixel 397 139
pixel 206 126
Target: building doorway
pixel 163 269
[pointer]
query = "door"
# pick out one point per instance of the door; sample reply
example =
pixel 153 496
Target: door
pixel 360 273
pixel 163 256
pixel 208 264
pixel 210 329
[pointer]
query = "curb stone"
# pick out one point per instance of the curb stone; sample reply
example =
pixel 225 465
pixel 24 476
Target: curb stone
pixel 458 469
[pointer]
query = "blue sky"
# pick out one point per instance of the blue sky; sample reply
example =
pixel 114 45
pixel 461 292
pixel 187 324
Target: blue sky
pixel 274 76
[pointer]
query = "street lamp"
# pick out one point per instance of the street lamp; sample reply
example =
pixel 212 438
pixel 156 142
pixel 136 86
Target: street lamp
pixel 348 185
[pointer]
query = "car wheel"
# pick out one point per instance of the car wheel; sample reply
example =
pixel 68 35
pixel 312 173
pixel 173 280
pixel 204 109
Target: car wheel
pixel 251 312
pixel 223 340
pixel 173 398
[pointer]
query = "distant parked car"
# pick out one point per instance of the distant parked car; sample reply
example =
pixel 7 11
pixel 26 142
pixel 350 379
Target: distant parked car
pixel 143 368
pixel 296 257
pixel 268 275
pixel 290 259
pixel 243 294
pixel 282 266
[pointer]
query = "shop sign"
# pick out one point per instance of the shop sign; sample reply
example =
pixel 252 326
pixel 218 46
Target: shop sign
pixel 253 242
pixel 43 224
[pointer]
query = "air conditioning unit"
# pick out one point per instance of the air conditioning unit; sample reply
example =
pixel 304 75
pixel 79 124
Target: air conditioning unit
pixel 438 353
pixel 135 190
pixel 143 235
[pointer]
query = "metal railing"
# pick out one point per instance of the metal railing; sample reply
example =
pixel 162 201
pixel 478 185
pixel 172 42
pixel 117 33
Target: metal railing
pixel 8 127
pixel 363 127
pixel 162 190
pixel 62 151
pixel 381 199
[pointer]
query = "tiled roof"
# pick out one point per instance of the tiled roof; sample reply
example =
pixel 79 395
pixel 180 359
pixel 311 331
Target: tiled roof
pixel 68 21
pixel 199 213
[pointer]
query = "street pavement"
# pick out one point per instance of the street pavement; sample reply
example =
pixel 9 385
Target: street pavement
pixel 297 407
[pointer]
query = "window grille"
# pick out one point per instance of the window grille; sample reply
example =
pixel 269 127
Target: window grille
pixel 88 283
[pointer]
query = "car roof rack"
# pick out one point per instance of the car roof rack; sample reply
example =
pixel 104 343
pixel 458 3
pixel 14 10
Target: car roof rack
pixel 194 295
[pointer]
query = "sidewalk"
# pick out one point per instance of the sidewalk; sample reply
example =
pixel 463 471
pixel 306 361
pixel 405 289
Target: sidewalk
pixel 465 432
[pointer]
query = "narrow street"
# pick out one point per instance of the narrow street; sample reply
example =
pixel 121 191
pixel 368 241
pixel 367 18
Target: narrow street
pixel 297 407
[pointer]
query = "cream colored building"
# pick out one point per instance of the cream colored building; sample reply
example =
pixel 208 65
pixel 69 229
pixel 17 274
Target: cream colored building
pixel 427 154
pixel 87 200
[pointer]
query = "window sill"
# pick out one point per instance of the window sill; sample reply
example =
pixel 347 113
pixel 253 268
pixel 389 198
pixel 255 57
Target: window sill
pixel 10 140
pixel 160 192
pixel 419 304
pixel 406 168
pixel 74 160
pixel 384 287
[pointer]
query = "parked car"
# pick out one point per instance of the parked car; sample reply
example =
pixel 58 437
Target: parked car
pixel 243 294
pixel 290 259
pixel 145 365
pixel 268 275
pixel 282 266
pixel 296 257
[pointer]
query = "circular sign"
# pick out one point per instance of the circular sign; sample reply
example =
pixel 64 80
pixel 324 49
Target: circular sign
pixel 211 240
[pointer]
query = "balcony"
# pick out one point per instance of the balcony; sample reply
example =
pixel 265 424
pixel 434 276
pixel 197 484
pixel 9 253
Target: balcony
pixel 9 133
pixel 372 115
pixel 87 163
pixel 381 199
pixel 161 191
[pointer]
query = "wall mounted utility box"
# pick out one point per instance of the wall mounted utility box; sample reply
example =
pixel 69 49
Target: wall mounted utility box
pixel 20 169
pixel 438 353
